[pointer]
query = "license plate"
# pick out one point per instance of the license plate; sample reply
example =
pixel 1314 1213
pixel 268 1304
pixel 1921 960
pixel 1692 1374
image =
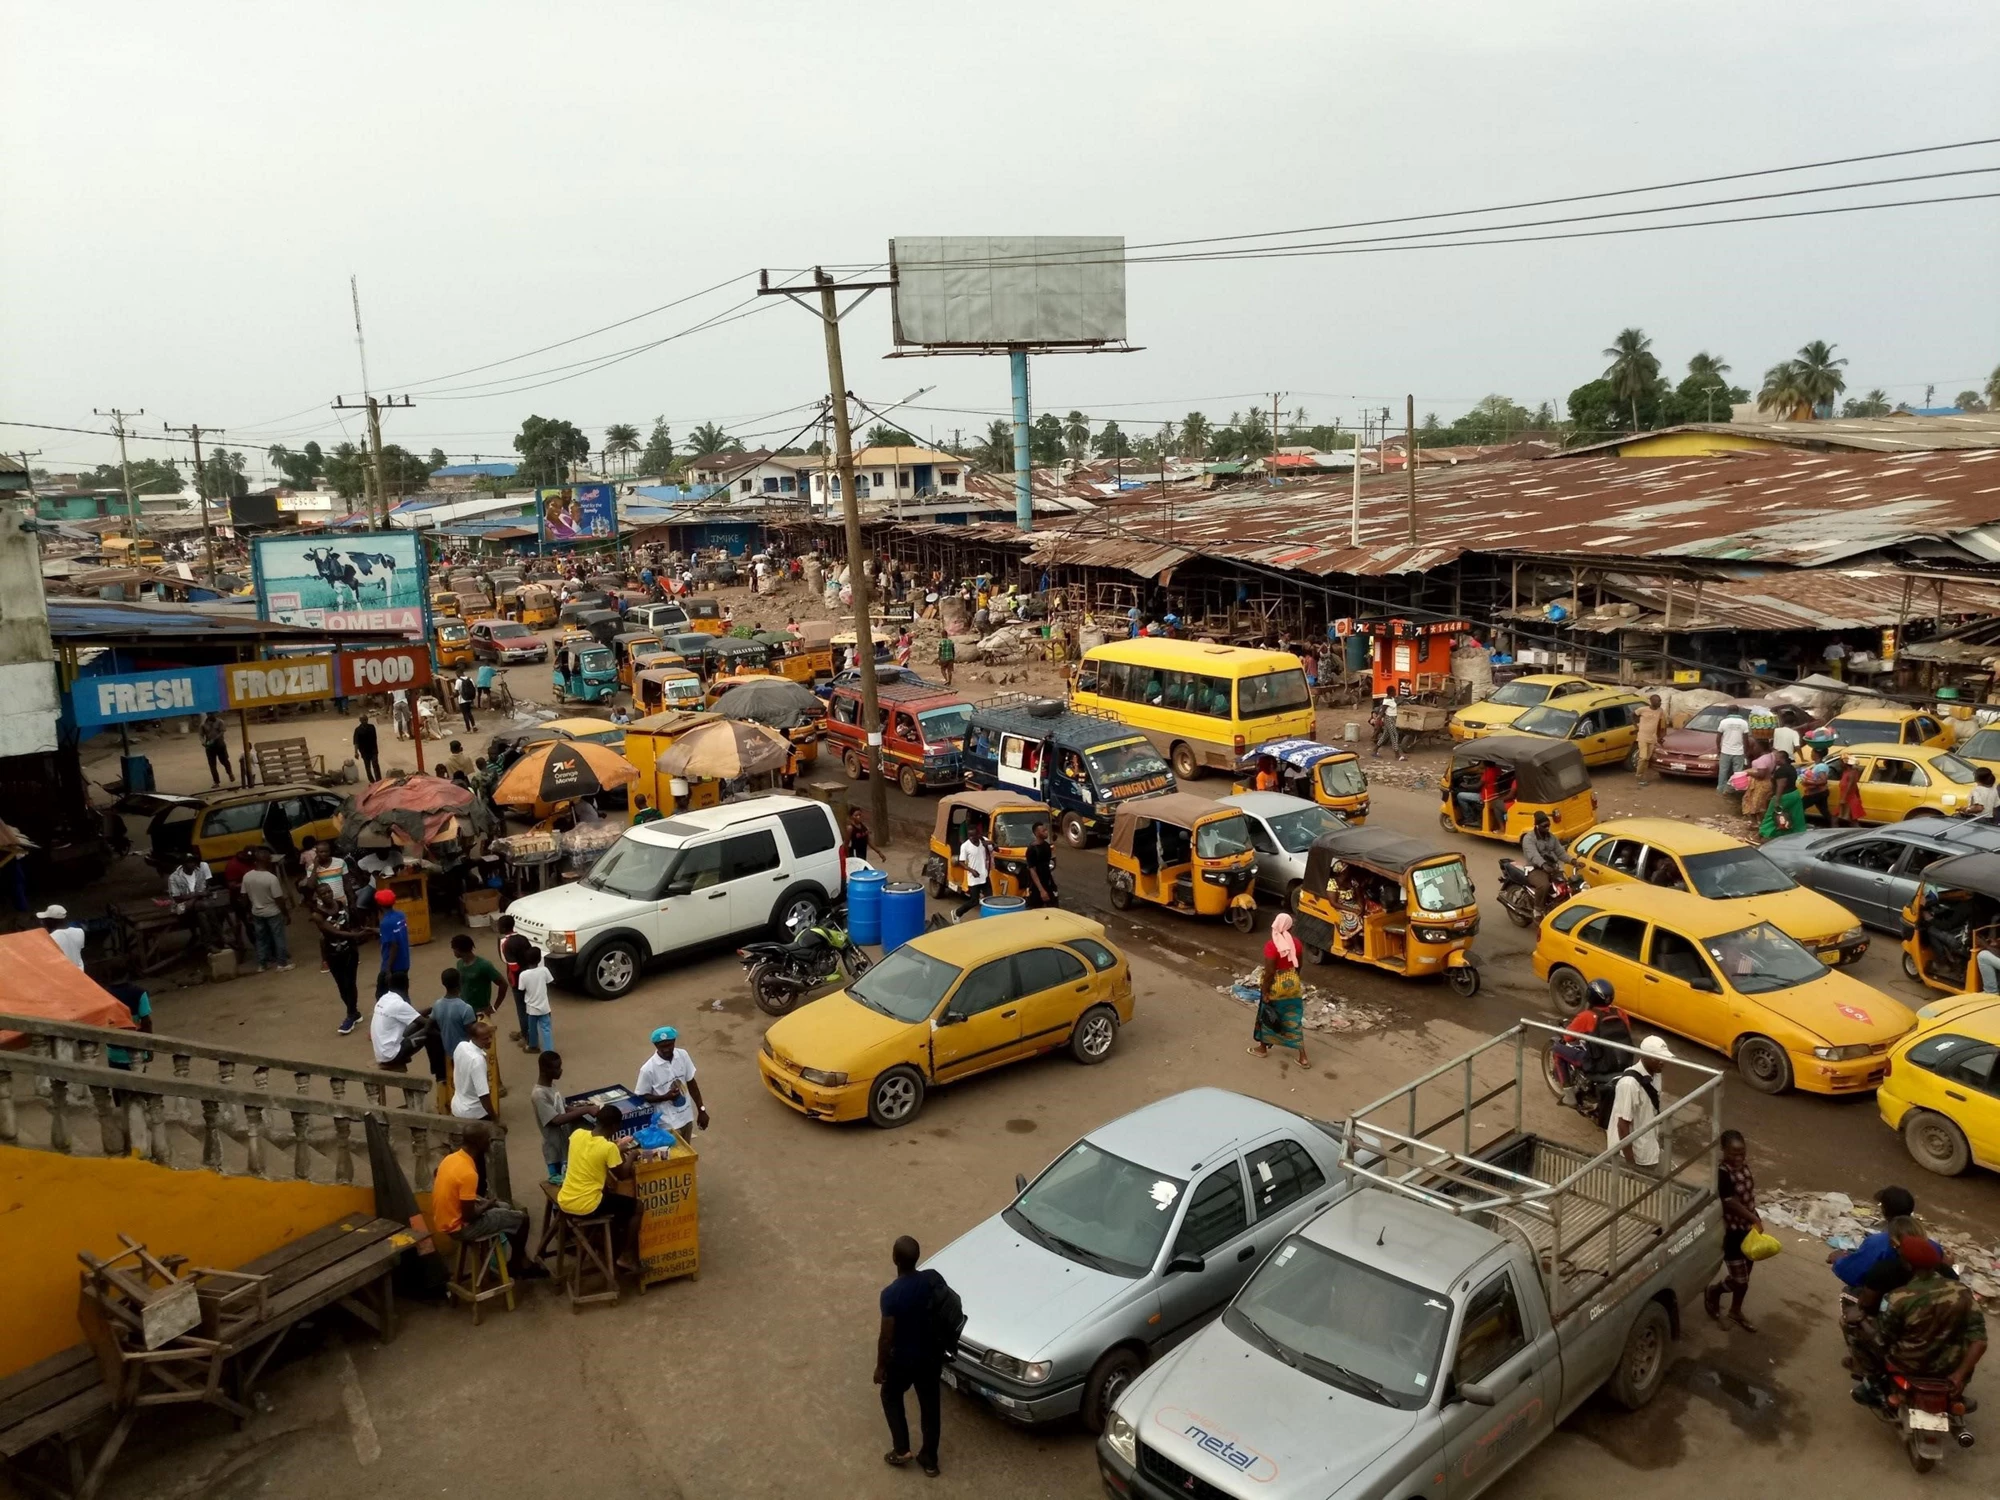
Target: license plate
pixel 1929 1421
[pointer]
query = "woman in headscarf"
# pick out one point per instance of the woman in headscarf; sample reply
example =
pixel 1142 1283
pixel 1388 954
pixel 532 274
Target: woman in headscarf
pixel 1281 996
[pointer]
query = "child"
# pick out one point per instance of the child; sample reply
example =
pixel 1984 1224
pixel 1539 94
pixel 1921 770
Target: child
pixel 535 978
pixel 553 1118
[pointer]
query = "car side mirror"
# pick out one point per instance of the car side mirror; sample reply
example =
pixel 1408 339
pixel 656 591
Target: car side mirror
pixel 1706 984
pixel 679 887
pixel 1020 1182
pixel 1186 1263
pixel 951 1018
pixel 1474 1394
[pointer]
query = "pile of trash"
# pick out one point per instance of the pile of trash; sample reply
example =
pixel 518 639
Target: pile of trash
pixel 1325 1011
pixel 1007 644
pixel 1842 1224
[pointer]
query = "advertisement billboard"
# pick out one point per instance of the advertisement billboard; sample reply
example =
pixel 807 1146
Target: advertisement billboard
pixel 266 684
pixel 991 292
pixel 172 693
pixel 370 581
pixel 383 669
pixel 577 513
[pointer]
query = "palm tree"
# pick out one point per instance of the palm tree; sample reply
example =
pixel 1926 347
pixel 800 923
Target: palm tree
pixel 1169 435
pixel 995 451
pixel 1784 392
pixel 710 438
pixel 1820 379
pixel 1076 434
pixel 1707 368
pixel 1634 369
pixel 621 438
pixel 1993 387
pixel 1874 404
pixel 1196 433
pixel 1258 439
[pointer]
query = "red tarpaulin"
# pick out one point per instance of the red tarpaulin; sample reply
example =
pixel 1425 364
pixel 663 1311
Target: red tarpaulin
pixel 37 979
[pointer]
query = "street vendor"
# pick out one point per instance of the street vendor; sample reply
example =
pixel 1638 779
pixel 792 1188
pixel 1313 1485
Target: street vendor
pixel 596 1156
pixel 667 1080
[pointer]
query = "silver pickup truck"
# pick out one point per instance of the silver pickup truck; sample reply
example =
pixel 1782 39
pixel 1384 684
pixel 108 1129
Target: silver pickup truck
pixel 1417 1338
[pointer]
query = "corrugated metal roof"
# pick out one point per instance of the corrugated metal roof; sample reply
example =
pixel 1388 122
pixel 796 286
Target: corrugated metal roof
pixel 1821 599
pixel 1910 432
pixel 100 619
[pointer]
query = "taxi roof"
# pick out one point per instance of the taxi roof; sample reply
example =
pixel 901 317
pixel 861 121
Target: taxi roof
pixel 1653 903
pixel 1541 677
pixel 1592 697
pixel 1888 714
pixel 1894 752
pixel 1976 1015
pixel 1668 833
pixel 971 943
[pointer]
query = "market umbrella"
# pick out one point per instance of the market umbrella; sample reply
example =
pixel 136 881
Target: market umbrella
pixel 776 701
pixel 562 771
pixel 725 750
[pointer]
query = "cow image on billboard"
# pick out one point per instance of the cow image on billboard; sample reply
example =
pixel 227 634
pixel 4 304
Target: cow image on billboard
pixel 330 581
pixel 1005 291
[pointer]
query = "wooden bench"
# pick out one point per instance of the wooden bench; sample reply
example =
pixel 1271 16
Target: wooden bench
pixel 350 1263
pixel 57 1402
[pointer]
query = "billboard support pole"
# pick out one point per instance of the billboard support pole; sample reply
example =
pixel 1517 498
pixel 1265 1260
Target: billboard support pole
pixel 1024 499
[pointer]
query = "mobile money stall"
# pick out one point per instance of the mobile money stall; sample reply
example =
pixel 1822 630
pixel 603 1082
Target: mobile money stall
pixel 665 1179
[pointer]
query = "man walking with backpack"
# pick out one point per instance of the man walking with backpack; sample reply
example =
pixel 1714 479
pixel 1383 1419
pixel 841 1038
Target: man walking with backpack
pixel 921 1320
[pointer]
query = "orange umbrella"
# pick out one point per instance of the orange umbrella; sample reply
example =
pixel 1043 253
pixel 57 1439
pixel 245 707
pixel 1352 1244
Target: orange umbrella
pixel 562 771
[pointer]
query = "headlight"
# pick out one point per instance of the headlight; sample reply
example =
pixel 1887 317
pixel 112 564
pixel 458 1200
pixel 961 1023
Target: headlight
pixel 1434 934
pixel 1841 1054
pixel 1852 935
pixel 824 1080
pixel 1029 1373
pixel 1215 877
pixel 766 1048
pixel 1121 1439
pixel 559 942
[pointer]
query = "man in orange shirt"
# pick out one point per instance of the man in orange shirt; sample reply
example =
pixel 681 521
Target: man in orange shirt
pixel 461 1209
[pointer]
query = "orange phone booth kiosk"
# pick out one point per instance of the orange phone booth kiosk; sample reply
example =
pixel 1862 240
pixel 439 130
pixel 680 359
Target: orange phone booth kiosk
pixel 1412 660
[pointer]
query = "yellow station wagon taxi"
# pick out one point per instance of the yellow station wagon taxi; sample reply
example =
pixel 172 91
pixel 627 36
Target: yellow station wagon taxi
pixel 1659 852
pixel 1600 722
pixel 946 1005
pixel 1493 715
pixel 1723 975
pixel 1910 781
pixel 1943 1088
pixel 1892 726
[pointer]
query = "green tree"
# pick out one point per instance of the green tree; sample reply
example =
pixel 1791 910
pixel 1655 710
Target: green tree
pixel 150 476
pixel 1256 434
pixel 1634 370
pixel 1875 404
pixel 435 460
pixel 710 438
pixel 659 454
pixel 995 451
pixel 1820 380
pixel 1993 387
pixel 621 439
pixel 1169 436
pixel 1226 443
pixel 548 446
pixel 1969 401
pixel 1111 443
pixel 882 435
pixel 404 472
pixel 1195 435
pixel 1045 439
pixel 222 476
pixel 1076 434
pixel 300 468
pixel 1596 411
pixel 346 469
pixel 1784 392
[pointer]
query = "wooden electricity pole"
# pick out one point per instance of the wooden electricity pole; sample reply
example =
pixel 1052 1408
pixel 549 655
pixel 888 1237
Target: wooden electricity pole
pixel 1410 461
pixel 124 465
pixel 378 510
pixel 195 431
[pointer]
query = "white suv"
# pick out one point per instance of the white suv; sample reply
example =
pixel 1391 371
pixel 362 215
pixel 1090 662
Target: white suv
pixel 684 881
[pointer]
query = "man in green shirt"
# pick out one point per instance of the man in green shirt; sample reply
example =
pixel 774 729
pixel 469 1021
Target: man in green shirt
pixel 477 977
pixel 947 655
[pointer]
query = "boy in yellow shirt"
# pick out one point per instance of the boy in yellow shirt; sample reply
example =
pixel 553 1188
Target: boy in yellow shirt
pixel 595 1156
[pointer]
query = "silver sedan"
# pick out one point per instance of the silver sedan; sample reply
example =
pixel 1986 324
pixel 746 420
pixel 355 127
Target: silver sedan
pixel 1873 872
pixel 1282 830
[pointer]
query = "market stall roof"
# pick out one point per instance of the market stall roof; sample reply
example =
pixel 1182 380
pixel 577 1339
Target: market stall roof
pixel 105 622
pixel 1822 599
pixel 37 979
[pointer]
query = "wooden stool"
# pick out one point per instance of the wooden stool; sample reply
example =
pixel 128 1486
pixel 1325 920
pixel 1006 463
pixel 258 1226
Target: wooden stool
pixel 582 1246
pixel 473 1262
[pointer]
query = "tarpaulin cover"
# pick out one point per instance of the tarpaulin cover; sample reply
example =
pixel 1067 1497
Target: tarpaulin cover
pixel 37 979
pixel 420 808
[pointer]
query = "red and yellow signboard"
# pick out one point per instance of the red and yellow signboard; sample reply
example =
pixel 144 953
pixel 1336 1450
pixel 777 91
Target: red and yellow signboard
pixel 670 1219
pixel 383 669
pixel 265 684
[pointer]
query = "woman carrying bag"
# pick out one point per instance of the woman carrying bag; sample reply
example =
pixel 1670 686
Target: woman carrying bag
pixel 1281 995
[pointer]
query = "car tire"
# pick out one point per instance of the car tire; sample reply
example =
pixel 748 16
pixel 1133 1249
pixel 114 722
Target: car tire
pixel 1121 894
pixel 909 782
pixel 1910 969
pixel 1642 1363
pixel 855 766
pixel 1108 1378
pixel 1075 832
pixel 1464 981
pixel 1094 1035
pixel 1764 1065
pixel 1935 1144
pixel 610 972
pixel 1242 918
pixel 895 1097
pixel 1186 766
pixel 1568 989
pixel 795 903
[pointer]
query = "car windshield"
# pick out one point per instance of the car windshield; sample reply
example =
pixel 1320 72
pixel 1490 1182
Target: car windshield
pixel 1279 692
pixel 1016 830
pixel 1759 960
pixel 452 632
pixel 595 661
pixel 1295 831
pixel 509 630
pixel 1347 1324
pixel 1519 695
pixel 1867 731
pixel 941 724
pixel 1951 768
pixel 631 867
pixel 1098 1209
pixel 1729 873
pixel 1556 723
pixel 1342 778
pixel 1442 887
pixel 1709 720
pixel 1113 763
pixel 1984 745
pixel 1222 837
pixel 906 985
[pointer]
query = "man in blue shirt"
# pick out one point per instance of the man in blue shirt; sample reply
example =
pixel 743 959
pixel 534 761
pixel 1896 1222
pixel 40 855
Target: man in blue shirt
pixel 1854 1267
pixel 393 931
pixel 907 1357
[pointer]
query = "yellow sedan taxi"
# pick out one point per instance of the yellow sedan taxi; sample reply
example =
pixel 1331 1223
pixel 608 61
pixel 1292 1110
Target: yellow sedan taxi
pixel 1495 714
pixel 1943 1089
pixel 1675 856
pixel 1982 748
pixel 947 1005
pixel 1601 722
pixel 1910 781
pixel 1891 726
pixel 1723 975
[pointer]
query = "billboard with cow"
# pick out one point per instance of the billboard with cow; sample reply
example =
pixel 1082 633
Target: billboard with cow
pixel 370 580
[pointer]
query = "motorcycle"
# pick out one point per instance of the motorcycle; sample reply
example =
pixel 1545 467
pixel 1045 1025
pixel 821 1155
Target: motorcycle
pixel 1517 895
pixel 1924 1410
pixel 783 974
pixel 1574 1084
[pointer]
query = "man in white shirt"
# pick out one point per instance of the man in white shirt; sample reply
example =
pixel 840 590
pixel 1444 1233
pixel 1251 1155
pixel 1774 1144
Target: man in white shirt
pixel 386 1024
pixel 533 983
pixel 65 933
pixel 471 1098
pixel 977 857
pixel 1635 1105
pixel 187 879
pixel 667 1080
pixel 1732 737
pixel 1785 739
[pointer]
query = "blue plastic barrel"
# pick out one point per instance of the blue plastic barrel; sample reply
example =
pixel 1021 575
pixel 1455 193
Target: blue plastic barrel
pixel 864 906
pixel 1000 906
pixel 137 772
pixel 902 914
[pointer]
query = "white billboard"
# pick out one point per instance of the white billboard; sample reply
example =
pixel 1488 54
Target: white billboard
pixel 991 292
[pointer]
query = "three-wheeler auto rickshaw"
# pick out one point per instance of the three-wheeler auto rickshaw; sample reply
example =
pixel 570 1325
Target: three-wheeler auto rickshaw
pixel 1185 853
pixel 1325 774
pixel 1377 898
pixel 1496 785
pixel 625 646
pixel 658 688
pixel 454 643
pixel 584 670
pixel 815 644
pixel 735 657
pixel 788 656
pixel 443 603
pixel 1007 819
pixel 1954 916
pixel 704 614
pixel 692 649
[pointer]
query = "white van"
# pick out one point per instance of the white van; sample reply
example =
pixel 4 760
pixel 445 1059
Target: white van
pixel 681 882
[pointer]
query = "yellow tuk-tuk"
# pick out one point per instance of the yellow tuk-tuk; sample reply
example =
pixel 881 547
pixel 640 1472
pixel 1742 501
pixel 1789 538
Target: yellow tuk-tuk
pixel 658 689
pixel 736 657
pixel 790 708
pixel 1008 819
pixel 1325 774
pixel 454 643
pixel 646 740
pixel 443 604
pixel 1185 853
pixel 1374 897
pixel 787 656
pixel 704 614
pixel 1954 915
pixel 692 649
pixel 815 645
pixel 1530 775
pixel 473 606
pixel 627 646
pixel 538 606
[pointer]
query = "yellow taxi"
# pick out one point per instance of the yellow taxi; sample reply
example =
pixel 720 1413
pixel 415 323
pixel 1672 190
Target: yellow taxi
pixel 1981 748
pixel 1943 1088
pixel 1492 715
pixel 1891 726
pixel 1910 781
pixel 947 1005
pixel 1722 974
pixel 1662 853
pixel 1600 722
pixel 216 825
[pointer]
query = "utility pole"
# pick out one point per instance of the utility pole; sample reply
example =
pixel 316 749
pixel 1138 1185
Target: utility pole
pixel 124 464
pixel 1410 461
pixel 829 314
pixel 195 431
pixel 1354 506
pixel 24 455
pixel 373 405
pixel 1274 419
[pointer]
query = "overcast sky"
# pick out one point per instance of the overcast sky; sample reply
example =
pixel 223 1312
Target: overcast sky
pixel 188 188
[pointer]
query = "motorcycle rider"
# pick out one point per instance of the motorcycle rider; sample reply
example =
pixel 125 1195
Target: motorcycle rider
pixel 1599 1021
pixel 1542 853
pixel 1929 1326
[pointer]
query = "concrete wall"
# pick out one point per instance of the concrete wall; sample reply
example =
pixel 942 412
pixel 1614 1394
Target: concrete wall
pixel 27 676
pixel 52 1206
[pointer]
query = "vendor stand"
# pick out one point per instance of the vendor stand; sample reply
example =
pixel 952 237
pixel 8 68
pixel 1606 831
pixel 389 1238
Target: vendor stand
pixel 419 836
pixel 665 1181
pixel 529 861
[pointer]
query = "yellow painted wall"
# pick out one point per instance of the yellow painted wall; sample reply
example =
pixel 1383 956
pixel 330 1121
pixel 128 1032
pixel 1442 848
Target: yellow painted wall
pixel 52 1206
pixel 1681 444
